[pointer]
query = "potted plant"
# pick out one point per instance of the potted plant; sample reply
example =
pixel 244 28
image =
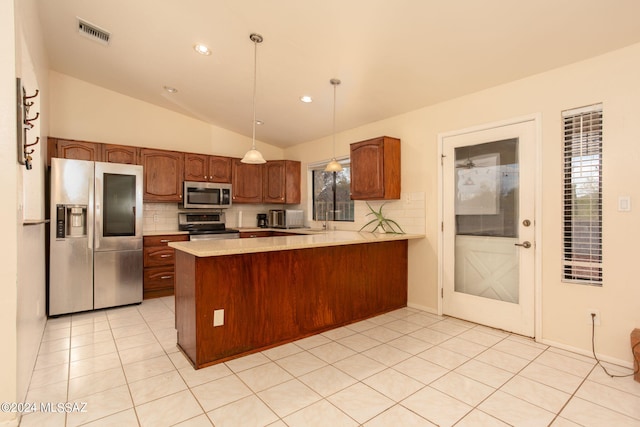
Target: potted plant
pixel 387 225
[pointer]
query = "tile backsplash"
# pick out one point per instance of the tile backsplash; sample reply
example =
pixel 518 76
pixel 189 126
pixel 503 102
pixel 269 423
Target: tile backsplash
pixel 160 217
pixel 408 211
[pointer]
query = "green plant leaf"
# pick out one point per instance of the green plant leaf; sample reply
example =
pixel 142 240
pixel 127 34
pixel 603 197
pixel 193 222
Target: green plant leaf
pixel 386 224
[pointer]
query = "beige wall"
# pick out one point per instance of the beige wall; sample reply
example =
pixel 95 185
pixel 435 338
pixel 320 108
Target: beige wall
pixel 8 209
pixel 82 111
pixel 611 79
pixel 31 67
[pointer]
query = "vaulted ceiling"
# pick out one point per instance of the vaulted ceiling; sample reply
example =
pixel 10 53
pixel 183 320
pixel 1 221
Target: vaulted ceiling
pixel 391 56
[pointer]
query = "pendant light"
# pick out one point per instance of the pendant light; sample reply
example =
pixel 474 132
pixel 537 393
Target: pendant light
pixel 333 165
pixel 253 156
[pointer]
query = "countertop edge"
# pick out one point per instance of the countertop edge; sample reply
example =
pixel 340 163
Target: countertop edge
pixel 209 248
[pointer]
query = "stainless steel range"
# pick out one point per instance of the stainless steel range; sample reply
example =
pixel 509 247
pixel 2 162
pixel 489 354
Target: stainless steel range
pixel 209 225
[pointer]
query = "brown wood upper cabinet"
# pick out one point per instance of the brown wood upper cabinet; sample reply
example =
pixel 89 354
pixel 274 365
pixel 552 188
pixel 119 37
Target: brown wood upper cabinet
pixel 375 169
pixel 246 182
pixel 163 175
pixel 120 154
pixel 281 181
pixel 93 151
pixel 79 150
pixel 204 168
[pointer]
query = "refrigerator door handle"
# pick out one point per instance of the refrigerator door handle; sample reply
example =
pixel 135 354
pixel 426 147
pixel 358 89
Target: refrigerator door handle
pixel 90 215
pixel 98 226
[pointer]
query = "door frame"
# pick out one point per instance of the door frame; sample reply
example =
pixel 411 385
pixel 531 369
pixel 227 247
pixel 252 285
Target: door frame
pixel 536 118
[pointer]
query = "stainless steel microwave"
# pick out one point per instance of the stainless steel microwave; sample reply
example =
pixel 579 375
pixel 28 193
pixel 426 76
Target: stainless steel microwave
pixel 206 195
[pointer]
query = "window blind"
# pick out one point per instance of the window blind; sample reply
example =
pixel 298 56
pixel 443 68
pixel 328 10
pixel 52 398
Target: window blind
pixel 582 196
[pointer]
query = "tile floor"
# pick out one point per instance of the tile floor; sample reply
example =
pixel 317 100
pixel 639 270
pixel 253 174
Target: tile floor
pixel 404 368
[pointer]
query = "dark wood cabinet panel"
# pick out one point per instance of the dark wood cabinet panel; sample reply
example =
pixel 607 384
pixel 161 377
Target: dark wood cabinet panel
pixel 271 298
pixel 196 167
pixel 246 180
pixel 158 255
pixel 159 259
pixel 79 150
pixel 120 154
pixel 375 169
pixel 281 181
pixel 163 175
pixel 204 168
pixel 220 169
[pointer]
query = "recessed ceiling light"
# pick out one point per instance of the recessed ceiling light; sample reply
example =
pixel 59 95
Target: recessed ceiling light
pixel 259 122
pixel 171 89
pixel 306 99
pixel 202 49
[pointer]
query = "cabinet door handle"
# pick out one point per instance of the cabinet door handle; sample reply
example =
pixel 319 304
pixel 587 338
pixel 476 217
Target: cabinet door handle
pixel 165 255
pixel 166 277
pixel 165 241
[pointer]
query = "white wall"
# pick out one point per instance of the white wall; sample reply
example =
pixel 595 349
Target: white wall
pixel 82 111
pixel 611 79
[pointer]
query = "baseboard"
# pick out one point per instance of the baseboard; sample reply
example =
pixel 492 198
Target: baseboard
pixel 429 310
pixel 583 352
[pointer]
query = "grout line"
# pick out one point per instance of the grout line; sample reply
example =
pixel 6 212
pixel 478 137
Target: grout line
pixel 357 331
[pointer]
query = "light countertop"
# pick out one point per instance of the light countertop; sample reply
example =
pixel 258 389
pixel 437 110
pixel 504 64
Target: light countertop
pixel 313 239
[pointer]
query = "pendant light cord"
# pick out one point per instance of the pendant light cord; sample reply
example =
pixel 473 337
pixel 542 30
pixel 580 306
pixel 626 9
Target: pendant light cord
pixel 256 39
pixel 335 83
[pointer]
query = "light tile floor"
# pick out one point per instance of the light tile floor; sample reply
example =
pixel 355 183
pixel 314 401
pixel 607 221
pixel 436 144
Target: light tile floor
pixel 404 368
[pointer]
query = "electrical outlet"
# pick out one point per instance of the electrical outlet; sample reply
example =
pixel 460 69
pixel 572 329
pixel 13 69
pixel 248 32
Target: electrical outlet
pixel 218 317
pixel 596 320
pixel 156 218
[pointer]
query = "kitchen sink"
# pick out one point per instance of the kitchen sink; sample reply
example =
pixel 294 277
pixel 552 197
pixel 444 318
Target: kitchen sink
pixel 313 230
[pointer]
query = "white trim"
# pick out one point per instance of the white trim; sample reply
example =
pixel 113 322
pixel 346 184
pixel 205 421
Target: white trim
pixel 581 110
pixel 537 290
pixel 422 308
pixel 536 118
pixel 583 352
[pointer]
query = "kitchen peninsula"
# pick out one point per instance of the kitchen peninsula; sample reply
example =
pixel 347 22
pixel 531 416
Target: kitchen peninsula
pixel 264 292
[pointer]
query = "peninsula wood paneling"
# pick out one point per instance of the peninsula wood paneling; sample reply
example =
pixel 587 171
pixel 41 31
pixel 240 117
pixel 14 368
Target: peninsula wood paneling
pixel 271 298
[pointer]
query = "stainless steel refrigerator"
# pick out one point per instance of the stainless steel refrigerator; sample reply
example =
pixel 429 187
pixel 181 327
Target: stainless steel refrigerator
pixel 95 245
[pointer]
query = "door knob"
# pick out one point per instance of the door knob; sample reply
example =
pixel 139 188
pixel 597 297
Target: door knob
pixel 524 244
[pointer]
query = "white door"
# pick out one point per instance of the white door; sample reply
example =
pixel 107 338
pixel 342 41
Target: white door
pixel 488 226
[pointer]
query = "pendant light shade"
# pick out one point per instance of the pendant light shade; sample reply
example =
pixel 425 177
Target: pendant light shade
pixel 333 165
pixel 254 156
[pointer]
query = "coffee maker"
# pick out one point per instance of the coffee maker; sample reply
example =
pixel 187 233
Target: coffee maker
pixel 262 220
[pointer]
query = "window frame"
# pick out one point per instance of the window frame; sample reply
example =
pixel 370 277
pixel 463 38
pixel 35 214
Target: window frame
pixel 320 166
pixel 582 215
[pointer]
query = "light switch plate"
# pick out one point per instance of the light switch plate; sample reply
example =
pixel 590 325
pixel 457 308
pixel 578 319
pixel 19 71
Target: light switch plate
pixel 218 317
pixel 624 204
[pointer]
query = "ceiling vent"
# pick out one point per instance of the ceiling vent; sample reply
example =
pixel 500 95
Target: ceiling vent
pixel 93 32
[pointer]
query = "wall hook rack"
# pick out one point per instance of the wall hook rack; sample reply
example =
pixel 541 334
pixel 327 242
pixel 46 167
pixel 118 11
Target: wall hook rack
pixel 25 124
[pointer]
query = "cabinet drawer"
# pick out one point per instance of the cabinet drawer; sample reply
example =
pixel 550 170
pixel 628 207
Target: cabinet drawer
pixel 164 239
pixel 158 278
pixel 159 255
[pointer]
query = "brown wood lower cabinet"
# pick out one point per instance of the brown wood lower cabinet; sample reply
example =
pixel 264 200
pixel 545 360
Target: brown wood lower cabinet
pixel 271 298
pixel 263 233
pixel 159 272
